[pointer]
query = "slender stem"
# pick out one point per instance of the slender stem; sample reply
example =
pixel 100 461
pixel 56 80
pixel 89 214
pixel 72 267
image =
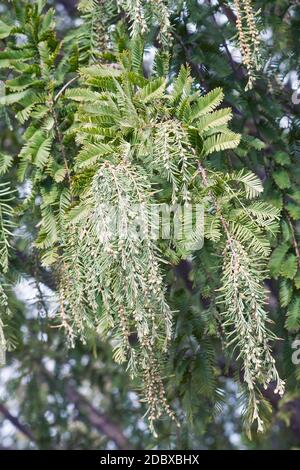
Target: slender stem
pixel 62 147
pixel 64 88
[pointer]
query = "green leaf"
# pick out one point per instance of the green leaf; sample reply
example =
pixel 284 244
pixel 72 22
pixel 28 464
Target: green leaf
pixel 253 142
pixel 137 53
pixel 212 227
pixel 261 210
pixel 22 82
pixel 293 315
pixel 153 90
pixel 100 71
pixel 25 113
pixel 78 213
pixel 47 20
pixel 282 158
pixel 82 94
pixel 207 103
pixel 42 152
pixel 215 119
pixel 297 280
pixel 48 234
pixel 285 231
pixel 182 85
pixel 277 259
pixel 252 185
pixel 5 30
pixel 293 210
pixel 6 162
pixel 250 237
pixel 91 153
pixel 49 257
pixel 219 142
pixel 12 98
pixel 285 292
pixel 60 174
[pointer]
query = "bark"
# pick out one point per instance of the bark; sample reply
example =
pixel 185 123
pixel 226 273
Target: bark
pixel 90 414
pixel 97 419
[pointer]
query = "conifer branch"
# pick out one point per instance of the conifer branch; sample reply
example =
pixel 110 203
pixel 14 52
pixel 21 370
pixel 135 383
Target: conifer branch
pixel 244 319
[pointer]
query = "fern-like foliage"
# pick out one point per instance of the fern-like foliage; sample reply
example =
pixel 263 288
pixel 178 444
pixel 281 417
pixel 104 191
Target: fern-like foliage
pixel 33 91
pixel 127 127
pixel 285 259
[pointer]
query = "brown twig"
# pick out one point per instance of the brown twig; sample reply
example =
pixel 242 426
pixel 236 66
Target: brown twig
pixel 15 421
pixel 97 419
pixel 90 414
